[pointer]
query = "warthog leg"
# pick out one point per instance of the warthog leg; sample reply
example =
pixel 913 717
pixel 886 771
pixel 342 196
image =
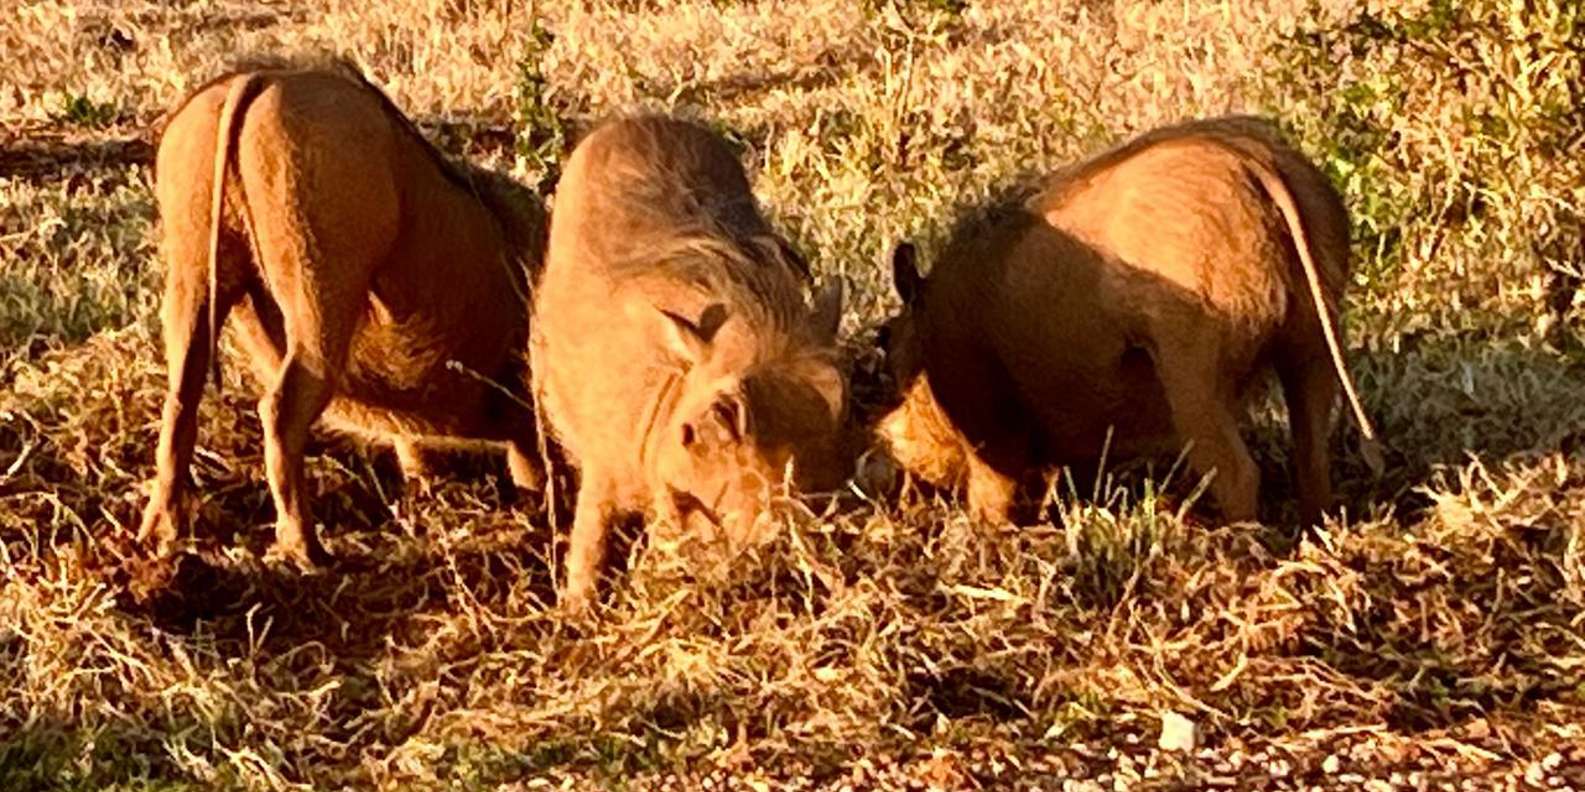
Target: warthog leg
pixel 1203 415
pixel 586 546
pixel 187 354
pixel 990 492
pixel 323 224
pixel 288 411
pixel 321 310
pixel 996 431
pixel 1309 387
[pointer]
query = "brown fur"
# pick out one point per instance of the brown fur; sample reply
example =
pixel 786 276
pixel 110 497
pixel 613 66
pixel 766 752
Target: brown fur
pixel 674 355
pixel 363 265
pixel 1141 292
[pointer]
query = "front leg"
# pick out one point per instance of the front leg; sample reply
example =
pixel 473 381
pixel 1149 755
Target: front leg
pixel 993 429
pixel 996 448
pixel 586 547
pixel 990 493
pixel 994 472
pixel 1205 417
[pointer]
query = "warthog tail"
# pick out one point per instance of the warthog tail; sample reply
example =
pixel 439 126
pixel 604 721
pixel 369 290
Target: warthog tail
pixel 232 110
pixel 1274 186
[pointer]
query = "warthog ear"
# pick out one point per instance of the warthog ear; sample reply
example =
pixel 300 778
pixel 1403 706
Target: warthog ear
pixel 827 313
pixel 780 250
pixel 905 271
pixel 794 258
pixel 688 340
pixel 827 380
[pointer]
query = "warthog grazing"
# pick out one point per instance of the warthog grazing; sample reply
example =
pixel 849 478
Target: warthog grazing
pixel 673 353
pixel 1139 292
pixel 364 266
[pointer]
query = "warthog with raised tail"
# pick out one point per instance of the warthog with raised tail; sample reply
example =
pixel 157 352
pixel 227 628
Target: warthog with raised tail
pixel 1132 297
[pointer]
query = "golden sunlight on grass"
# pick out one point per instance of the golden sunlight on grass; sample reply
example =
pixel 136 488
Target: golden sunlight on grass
pixel 1433 637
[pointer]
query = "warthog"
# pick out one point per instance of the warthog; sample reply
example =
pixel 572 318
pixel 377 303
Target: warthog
pixel 376 282
pixel 1138 293
pixel 673 353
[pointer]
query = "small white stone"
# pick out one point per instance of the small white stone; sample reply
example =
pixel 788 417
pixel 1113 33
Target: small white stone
pixel 1178 733
pixel 1331 764
pixel 1535 774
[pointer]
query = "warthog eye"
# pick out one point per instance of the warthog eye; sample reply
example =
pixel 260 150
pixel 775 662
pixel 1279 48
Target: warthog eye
pixel 689 436
pixel 733 418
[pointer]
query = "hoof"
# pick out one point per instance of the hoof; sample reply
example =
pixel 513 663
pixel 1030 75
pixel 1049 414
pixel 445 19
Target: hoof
pixel 418 486
pixel 306 556
pixel 577 600
pixel 162 527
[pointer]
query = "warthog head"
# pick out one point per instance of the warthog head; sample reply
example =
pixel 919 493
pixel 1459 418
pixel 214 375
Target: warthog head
pixel 753 419
pixel 917 433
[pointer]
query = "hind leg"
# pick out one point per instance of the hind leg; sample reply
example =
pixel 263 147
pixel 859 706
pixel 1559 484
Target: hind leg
pixel 187 355
pixel 189 351
pixel 1204 415
pixel 321 290
pixel 1309 387
pixel 325 215
pixel 321 306
pixel 321 287
pixel 288 410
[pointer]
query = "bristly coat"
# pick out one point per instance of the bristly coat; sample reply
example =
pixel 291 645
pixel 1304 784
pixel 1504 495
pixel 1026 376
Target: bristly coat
pixel 674 354
pixel 1129 301
pixel 376 282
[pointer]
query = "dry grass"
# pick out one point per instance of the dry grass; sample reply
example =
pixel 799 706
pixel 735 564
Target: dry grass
pixel 1436 633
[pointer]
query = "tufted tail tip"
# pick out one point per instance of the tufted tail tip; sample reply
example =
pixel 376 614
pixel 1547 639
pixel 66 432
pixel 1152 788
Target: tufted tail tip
pixel 1372 451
